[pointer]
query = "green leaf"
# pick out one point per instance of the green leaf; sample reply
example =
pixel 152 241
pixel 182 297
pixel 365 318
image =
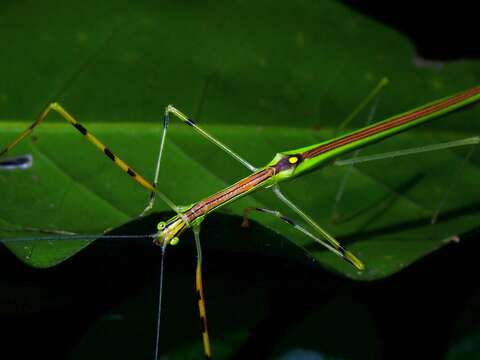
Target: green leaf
pixel 262 84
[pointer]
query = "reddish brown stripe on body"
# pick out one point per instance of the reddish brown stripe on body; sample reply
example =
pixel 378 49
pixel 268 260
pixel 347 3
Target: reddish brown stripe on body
pixel 236 189
pixel 398 121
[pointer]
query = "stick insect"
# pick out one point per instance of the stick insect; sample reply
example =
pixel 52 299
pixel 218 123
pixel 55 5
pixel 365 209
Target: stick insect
pixel 285 166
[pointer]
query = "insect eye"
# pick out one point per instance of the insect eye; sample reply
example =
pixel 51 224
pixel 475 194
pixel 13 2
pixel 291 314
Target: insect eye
pixel 293 159
pixel 174 241
pixel 161 225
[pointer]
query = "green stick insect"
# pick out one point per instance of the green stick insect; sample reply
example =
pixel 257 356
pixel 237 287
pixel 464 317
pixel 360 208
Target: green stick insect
pixel 285 166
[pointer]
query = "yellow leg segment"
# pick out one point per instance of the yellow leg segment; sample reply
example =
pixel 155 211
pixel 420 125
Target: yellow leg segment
pixel 200 295
pixel 90 137
pixel 202 311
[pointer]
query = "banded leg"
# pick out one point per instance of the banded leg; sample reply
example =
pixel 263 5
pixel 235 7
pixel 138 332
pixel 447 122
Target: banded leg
pixel 94 141
pixel 338 249
pixel 170 109
pixel 90 137
pixel 329 241
pixel 200 295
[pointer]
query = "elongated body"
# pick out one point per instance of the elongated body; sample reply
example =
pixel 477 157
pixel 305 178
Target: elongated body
pixel 288 165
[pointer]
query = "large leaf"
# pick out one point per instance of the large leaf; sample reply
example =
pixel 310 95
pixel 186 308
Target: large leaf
pixel 261 84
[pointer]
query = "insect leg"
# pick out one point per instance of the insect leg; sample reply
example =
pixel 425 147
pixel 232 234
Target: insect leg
pixel 201 295
pixel 473 141
pixel 170 109
pixel 411 151
pixel 94 141
pixel 454 181
pixel 343 183
pixel 326 239
pixel 371 96
pixel 335 247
